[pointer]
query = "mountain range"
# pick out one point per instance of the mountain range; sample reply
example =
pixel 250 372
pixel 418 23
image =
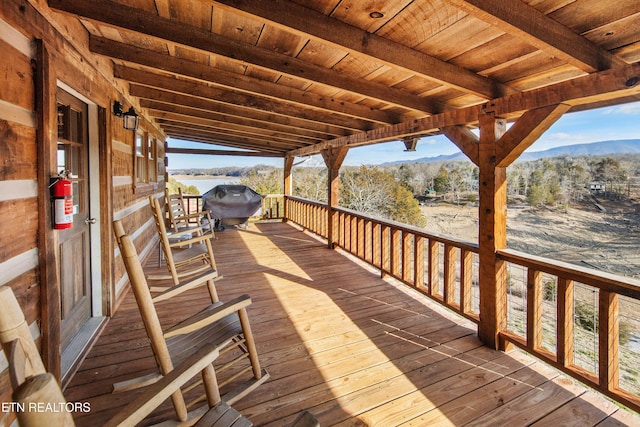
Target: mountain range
pixel 625 146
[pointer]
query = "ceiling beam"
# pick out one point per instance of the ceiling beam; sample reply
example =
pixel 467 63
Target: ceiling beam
pixel 248 125
pixel 220 152
pixel 235 99
pixel 619 83
pixel 205 139
pixel 142 22
pixel 223 134
pixel 294 17
pixel 234 81
pixel 534 27
pixel 266 118
pixel 229 127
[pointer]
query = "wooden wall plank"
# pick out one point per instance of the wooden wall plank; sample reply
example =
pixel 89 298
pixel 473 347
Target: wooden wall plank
pixel 18 227
pixel 18 158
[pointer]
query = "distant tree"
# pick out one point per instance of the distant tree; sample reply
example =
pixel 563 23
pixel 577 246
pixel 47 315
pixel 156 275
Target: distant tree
pixel 441 181
pixel 366 189
pixel 375 192
pixel 611 172
pixel 173 186
pixel 406 177
pixel 267 182
pixel 456 185
pixel 310 183
pixel 535 193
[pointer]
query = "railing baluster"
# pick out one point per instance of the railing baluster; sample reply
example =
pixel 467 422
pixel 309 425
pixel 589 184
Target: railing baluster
pixel 386 247
pixel 418 262
pixel 406 257
pixel 466 280
pixel 376 245
pixel 360 236
pixel 565 334
pixel 608 339
pixel 534 309
pixel 433 267
pixel 368 256
pixel 449 274
pixel 396 252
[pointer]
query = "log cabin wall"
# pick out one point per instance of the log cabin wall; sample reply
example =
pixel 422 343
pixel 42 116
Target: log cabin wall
pixel 41 51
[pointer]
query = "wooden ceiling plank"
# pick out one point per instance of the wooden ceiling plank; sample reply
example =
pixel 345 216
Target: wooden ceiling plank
pixel 145 92
pixel 304 21
pixel 227 142
pixel 226 96
pixel 212 152
pixel 235 81
pixel 518 18
pixel 321 134
pixel 224 126
pixel 593 89
pixel 271 142
pixel 136 20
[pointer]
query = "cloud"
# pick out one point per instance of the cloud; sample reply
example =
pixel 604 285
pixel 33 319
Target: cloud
pixel 630 109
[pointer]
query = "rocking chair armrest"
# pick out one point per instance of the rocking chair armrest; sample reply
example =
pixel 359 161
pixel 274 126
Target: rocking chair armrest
pixel 209 315
pixel 155 394
pixel 199 280
pixel 187 217
pixel 194 239
pixel 186 231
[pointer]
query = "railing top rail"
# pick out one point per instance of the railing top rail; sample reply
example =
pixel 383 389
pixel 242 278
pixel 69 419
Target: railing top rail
pixel 308 201
pixel 608 281
pixel 472 247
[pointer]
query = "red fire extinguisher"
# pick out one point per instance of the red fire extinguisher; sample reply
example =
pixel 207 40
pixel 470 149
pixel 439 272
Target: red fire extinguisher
pixel 62 198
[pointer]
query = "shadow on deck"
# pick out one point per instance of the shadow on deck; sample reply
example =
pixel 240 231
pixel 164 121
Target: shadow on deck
pixel 348 346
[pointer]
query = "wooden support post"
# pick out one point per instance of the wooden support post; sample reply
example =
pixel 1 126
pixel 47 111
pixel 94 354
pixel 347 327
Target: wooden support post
pixel 288 185
pixel 493 232
pixel 493 151
pixel 333 158
pixel 49 282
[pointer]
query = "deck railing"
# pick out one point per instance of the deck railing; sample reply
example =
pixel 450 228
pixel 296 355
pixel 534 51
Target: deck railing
pixel 546 299
pixel 272 205
pixel 308 214
pixel 441 267
pixel 576 319
pixel 544 296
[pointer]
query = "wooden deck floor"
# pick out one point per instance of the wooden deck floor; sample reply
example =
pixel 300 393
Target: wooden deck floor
pixel 351 348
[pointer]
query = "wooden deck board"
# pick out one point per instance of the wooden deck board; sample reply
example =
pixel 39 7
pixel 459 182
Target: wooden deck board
pixel 348 346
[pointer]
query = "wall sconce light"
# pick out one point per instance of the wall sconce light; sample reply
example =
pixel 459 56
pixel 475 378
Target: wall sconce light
pixel 130 119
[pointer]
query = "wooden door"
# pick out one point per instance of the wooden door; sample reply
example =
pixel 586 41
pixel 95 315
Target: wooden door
pixel 74 243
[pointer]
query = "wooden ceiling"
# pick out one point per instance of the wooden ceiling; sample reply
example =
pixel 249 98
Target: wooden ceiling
pixel 291 77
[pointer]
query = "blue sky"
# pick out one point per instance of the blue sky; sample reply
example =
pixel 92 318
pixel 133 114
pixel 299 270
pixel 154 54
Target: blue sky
pixel 619 122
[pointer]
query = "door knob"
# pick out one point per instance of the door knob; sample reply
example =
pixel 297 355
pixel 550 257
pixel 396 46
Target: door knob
pixel 90 221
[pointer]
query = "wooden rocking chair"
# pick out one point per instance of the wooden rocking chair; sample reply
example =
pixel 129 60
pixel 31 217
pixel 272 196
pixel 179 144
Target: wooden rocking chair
pixel 182 263
pixel 180 219
pixel 32 385
pixel 224 325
